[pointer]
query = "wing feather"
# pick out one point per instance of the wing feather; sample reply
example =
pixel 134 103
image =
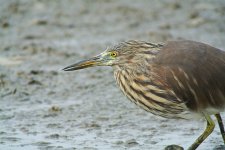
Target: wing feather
pixel 195 72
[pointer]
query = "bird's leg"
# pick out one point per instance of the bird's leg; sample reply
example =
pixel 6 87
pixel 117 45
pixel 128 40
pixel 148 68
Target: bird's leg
pixel 209 128
pixel 220 122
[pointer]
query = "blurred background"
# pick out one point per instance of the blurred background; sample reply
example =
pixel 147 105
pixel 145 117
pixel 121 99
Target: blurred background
pixel 42 107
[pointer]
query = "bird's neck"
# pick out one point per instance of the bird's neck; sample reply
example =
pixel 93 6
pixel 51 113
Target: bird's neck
pixel 137 68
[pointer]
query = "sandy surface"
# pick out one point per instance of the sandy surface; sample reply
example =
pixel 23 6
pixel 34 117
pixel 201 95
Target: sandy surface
pixel 42 107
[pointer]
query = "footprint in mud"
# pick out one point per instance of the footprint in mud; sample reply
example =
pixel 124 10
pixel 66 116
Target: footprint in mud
pixel 41 143
pixel 53 136
pixel 131 143
pixel 9 139
pixel 128 144
pixel 220 147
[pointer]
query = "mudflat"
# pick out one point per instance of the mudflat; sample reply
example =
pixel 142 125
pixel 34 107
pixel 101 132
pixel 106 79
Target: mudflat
pixel 42 107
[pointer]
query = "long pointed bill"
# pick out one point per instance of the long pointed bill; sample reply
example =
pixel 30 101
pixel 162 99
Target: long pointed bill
pixel 95 61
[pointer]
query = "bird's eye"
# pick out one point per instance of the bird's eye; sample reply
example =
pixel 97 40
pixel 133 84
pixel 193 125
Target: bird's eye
pixel 113 54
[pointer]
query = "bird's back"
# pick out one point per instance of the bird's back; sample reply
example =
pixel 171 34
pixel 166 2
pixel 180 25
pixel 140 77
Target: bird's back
pixel 195 72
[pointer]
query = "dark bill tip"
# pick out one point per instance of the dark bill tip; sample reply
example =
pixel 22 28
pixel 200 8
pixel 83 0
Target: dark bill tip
pixel 83 64
pixel 78 66
pixel 70 68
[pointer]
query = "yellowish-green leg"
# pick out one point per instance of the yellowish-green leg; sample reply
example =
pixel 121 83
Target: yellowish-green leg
pixel 209 128
pixel 220 122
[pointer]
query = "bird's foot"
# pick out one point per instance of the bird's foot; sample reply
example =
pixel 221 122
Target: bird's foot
pixel 174 147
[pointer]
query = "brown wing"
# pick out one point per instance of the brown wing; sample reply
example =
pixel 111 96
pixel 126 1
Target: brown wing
pixel 195 72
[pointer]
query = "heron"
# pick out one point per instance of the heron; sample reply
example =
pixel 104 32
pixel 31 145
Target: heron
pixel 176 79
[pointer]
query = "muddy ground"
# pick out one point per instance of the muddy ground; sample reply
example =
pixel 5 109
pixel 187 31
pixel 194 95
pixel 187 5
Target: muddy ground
pixel 42 107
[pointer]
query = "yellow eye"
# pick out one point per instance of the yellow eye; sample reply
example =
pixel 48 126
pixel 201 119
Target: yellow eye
pixel 113 54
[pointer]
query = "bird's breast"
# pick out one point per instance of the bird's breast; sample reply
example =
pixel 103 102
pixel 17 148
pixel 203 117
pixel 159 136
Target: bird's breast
pixel 141 90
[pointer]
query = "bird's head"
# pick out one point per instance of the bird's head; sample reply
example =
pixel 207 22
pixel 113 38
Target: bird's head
pixel 124 54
